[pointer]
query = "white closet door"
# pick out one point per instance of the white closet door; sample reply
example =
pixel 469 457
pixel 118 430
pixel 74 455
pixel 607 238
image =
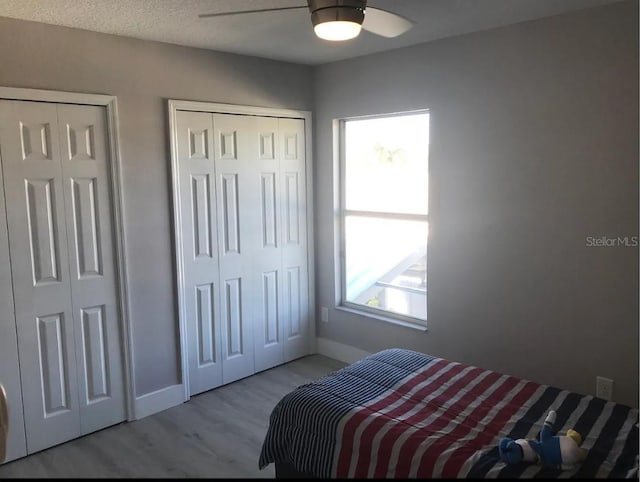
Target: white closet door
pixel 9 368
pixel 267 244
pixel 236 152
pixel 296 314
pixel 40 271
pixel 243 260
pixel 199 254
pixel 85 177
pixel 55 166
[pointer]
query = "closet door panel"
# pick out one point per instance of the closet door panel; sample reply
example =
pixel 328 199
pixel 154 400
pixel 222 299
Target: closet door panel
pixel 237 184
pixel 40 271
pixel 296 314
pixel 89 225
pixel 200 281
pixel 268 323
pixel 9 367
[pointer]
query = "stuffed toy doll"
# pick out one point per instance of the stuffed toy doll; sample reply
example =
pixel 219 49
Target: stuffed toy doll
pixel 554 451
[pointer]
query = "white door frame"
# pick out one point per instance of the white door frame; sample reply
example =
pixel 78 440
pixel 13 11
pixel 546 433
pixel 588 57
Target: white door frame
pixel 110 102
pixel 176 105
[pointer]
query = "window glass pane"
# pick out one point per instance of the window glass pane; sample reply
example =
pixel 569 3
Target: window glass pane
pixel 386 164
pixel 385 264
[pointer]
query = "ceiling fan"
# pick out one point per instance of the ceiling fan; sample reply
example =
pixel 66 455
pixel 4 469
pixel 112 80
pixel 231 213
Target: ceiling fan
pixel 341 19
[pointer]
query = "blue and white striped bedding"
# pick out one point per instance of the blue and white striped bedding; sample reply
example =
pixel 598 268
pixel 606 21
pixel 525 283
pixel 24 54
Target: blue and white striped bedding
pixel 400 413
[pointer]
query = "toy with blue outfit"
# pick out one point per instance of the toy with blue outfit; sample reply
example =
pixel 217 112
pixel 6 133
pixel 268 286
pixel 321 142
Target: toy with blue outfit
pixel 554 451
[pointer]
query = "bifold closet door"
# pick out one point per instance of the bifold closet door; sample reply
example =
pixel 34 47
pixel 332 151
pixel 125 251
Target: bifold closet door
pixel 216 211
pixel 294 247
pixel 243 231
pixel 235 154
pixel 281 310
pixel 90 235
pixel 200 279
pixel 9 366
pixel 260 166
pixel 265 242
pixel 55 168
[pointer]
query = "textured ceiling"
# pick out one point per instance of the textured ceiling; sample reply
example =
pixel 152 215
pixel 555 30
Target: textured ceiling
pixel 285 35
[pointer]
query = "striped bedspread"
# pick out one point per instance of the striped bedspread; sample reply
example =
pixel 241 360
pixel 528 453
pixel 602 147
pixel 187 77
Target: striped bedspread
pixel 400 413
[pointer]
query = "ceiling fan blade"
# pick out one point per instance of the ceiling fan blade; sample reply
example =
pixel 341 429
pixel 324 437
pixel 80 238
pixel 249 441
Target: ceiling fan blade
pixel 385 23
pixel 225 14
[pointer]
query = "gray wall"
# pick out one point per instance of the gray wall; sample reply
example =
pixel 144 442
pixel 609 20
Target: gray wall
pixel 143 75
pixel 534 147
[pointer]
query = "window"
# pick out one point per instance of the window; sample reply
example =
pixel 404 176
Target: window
pixel 384 214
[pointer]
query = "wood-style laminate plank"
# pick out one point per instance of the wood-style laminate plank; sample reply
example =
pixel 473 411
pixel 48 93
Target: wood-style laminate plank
pixel 216 434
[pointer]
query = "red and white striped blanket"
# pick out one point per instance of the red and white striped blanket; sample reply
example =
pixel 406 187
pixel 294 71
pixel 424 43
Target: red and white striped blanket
pixel 400 413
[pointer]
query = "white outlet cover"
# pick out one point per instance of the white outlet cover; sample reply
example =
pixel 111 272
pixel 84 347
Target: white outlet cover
pixel 604 388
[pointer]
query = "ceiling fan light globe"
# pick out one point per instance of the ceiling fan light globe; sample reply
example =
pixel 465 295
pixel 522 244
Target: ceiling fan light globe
pixel 337 30
pixel 337 22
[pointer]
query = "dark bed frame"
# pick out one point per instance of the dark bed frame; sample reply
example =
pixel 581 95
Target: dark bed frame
pixel 288 471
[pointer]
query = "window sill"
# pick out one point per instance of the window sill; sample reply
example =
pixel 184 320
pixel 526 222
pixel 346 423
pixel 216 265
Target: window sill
pixel 387 319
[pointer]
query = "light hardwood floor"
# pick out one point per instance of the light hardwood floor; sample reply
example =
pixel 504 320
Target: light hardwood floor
pixel 216 434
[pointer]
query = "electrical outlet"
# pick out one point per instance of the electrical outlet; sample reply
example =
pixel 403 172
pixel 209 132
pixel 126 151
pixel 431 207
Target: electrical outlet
pixel 324 314
pixel 604 388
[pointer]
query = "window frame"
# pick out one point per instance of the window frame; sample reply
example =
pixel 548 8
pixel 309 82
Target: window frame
pixel 343 212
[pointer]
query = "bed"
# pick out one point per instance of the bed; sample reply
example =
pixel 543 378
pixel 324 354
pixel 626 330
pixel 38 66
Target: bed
pixel 404 414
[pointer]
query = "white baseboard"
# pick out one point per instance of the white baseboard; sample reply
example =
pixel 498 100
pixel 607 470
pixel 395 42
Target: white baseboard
pixel 165 398
pixel 340 351
pixel 158 401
